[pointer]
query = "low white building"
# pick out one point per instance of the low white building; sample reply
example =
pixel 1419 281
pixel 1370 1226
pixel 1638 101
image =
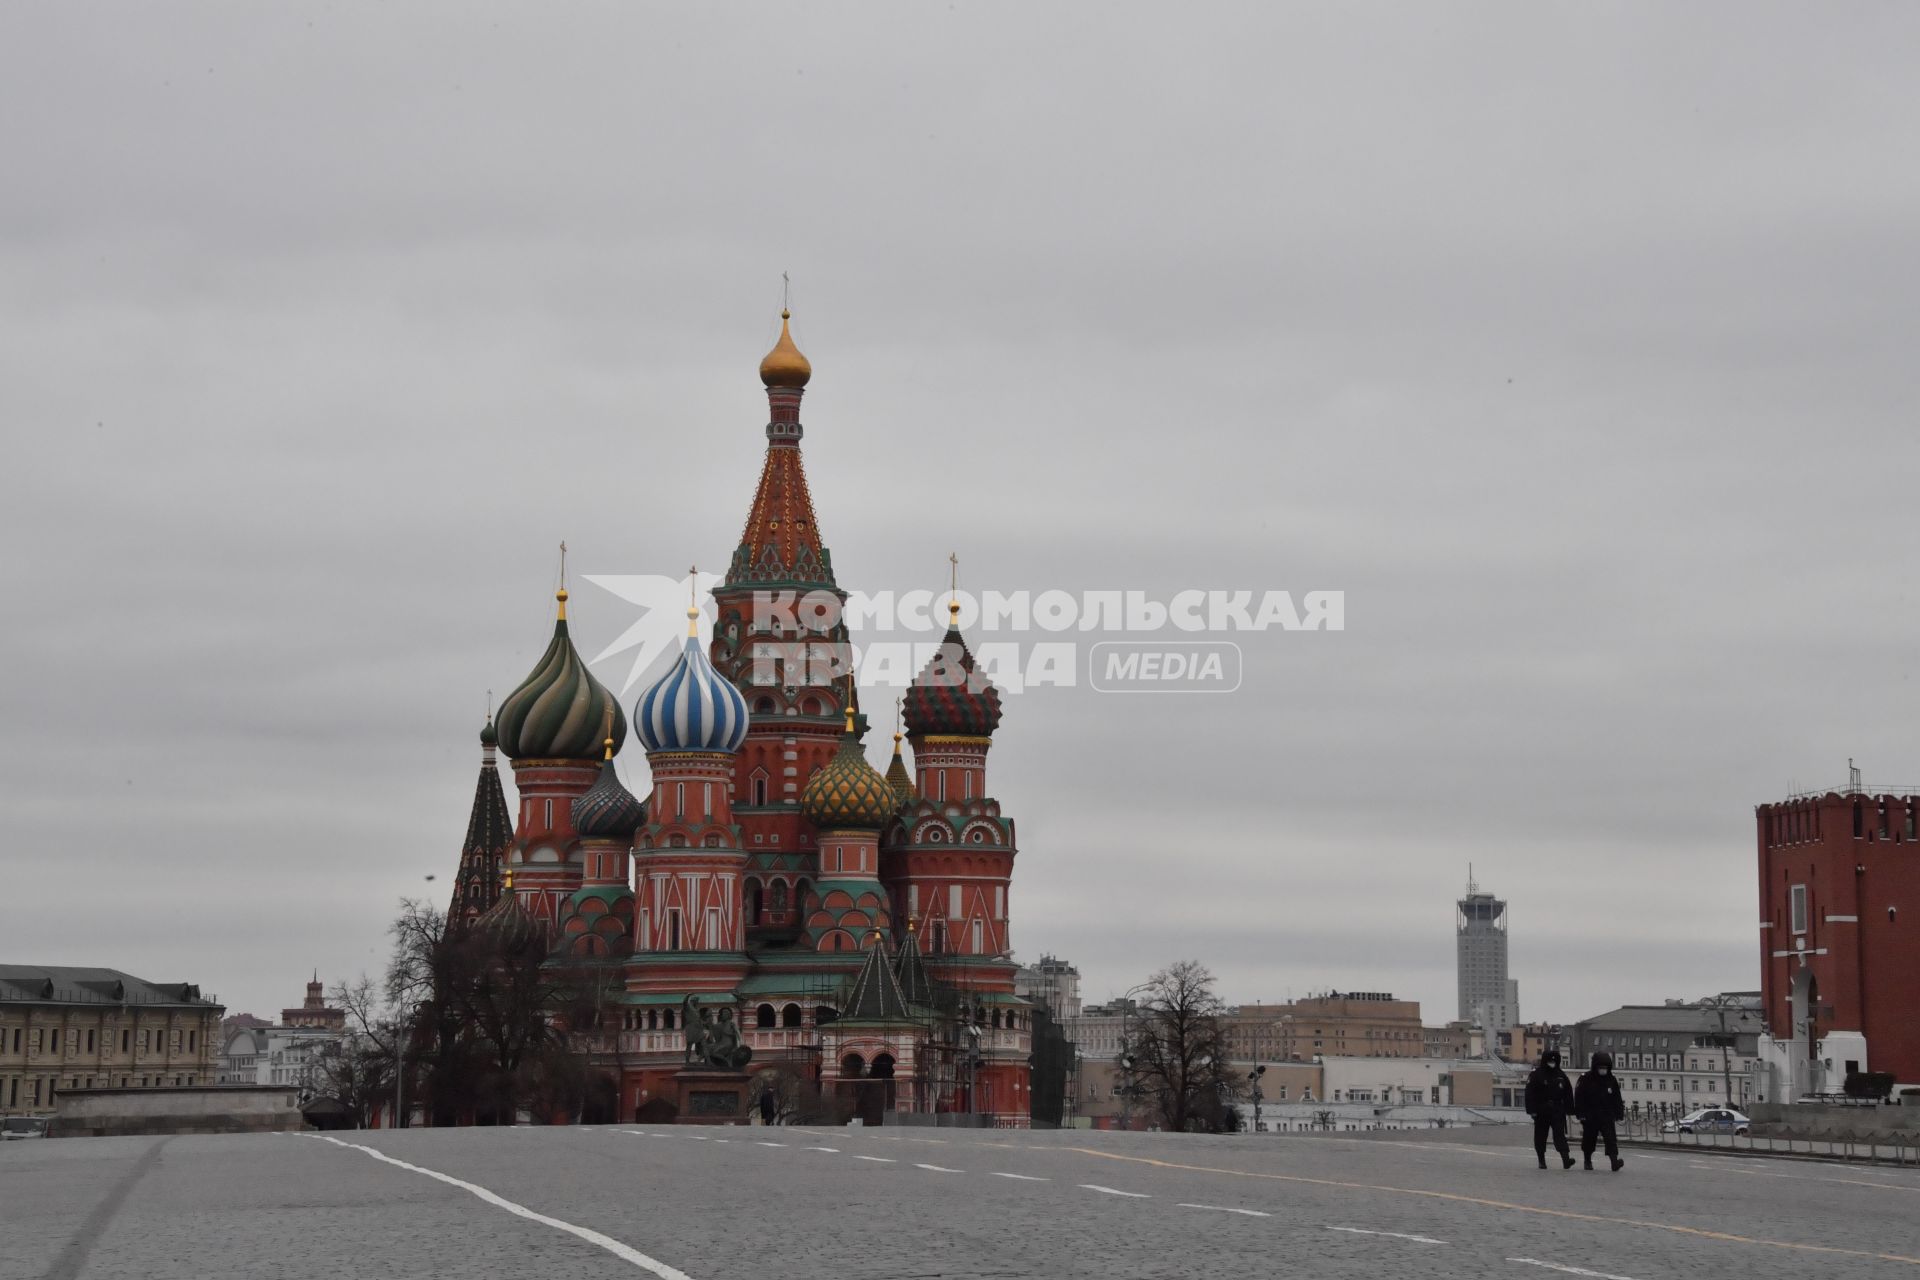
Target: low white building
pixel 1422 1081
pixel 1783 1071
pixel 1362 1117
pixel 273 1056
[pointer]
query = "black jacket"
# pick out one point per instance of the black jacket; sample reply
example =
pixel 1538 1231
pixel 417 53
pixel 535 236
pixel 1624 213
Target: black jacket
pixel 1549 1092
pixel 1596 1099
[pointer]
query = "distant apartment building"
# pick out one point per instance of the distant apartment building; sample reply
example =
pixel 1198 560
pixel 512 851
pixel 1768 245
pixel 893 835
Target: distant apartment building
pixel 287 1054
pixel 1480 941
pixel 82 1028
pixel 1667 1057
pixel 1365 1023
pixel 1100 1029
pixel 1455 1040
pixel 274 1056
pixel 1052 982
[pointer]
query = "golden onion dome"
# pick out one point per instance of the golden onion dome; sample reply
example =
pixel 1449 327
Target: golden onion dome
pixel 849 794
pixel 784 366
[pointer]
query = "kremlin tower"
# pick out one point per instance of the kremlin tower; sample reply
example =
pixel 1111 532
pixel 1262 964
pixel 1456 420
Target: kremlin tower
pixel 849 926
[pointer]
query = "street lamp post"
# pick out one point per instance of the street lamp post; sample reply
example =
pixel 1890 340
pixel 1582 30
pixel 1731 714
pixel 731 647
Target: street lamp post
pixel 1720 1004
pixel 1253 1078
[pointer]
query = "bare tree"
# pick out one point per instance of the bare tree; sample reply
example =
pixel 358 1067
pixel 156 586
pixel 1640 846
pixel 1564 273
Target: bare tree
pixel 357 1069
pixel 1179 1050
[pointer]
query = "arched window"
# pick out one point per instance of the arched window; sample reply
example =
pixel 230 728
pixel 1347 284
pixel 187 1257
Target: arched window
pixel 852 1067
pixel 882 1068
pixel 757 789
pixel 996 1019
pixel 780 897
pixel 666 1019
pixel 763 707
pixel 653 1019
pixel 790 1016
pixel 753 902
pixel 810 706
pixel 763 1016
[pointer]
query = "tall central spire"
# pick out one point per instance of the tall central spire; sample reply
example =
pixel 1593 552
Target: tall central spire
pixel 781 543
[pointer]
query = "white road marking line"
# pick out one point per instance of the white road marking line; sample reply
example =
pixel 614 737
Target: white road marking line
pixel 938 1168
pixel 1023 1177
pixel 1221 1208
pixel 698 1137
pixel 835 1150
pixel 1115 1191
pixel 878 1159
pixel 1572 1271
pixel 627 1253
pixel 1397 1235
pixel 758 1143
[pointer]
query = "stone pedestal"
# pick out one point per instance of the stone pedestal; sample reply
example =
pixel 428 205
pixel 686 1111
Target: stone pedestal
pixel 707 1095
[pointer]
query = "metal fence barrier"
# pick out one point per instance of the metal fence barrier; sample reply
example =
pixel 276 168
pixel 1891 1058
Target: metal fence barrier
pixel 1900 1149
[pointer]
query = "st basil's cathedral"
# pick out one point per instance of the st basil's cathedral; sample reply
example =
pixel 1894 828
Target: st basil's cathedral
pixel 774 892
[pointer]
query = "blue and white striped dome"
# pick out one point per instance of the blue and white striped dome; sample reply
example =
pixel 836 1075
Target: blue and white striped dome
pixel 691 708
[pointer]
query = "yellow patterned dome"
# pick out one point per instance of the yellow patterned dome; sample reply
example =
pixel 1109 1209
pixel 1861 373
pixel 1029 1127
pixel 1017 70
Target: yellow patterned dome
pixel 849 794
pixel 784 366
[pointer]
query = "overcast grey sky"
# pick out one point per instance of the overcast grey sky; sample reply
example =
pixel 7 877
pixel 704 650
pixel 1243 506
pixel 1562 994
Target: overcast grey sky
pixel 1575 343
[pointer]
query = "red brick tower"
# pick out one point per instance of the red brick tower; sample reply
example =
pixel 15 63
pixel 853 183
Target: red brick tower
pixel 1839 951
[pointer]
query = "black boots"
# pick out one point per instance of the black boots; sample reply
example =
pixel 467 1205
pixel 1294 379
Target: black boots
pixel 1543 1159
pixel 1566 1162
pixel 1589 1164
pixel 1617 1162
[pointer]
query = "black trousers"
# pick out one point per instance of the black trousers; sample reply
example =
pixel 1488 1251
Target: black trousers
pixel 1544 1125
pixel 1592 1131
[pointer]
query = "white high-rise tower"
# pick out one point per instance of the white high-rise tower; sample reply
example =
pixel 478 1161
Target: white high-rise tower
pixel 1480 924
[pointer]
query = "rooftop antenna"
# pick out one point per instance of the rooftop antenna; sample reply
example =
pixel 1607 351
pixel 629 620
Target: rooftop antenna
pixel 1853 777
pixel 1472 888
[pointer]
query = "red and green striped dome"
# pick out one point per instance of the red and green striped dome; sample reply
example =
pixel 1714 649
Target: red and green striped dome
pixel 950 697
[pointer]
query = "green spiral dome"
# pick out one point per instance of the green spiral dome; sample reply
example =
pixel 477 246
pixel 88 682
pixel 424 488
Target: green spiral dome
pixel 560 711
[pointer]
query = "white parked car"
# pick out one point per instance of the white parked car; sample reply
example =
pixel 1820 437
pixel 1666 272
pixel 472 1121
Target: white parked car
pixel 1709 1120
pixel 14 1127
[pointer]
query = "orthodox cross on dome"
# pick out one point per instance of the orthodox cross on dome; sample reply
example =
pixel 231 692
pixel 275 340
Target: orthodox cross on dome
pixel 561 594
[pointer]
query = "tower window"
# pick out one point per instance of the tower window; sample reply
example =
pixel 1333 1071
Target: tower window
pixel 1797 909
